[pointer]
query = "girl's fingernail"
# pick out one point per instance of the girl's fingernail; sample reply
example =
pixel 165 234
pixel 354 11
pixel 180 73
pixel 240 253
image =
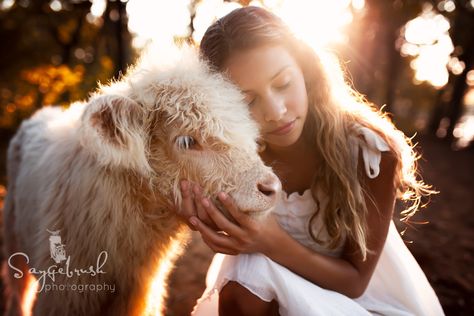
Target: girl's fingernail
pixel 222 196
pixel 193 221
pixel 205 202
pixel 184 185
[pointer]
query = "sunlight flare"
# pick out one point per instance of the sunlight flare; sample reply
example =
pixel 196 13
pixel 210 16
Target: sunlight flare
pixel 29 296
pixel 319 23
pixel 157 293
pixel 161 20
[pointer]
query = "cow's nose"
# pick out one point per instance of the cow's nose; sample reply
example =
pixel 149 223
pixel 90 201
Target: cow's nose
pixel 269 186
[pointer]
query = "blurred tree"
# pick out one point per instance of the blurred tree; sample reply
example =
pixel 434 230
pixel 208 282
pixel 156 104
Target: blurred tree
pixel 380 73
pixel 117 36
pixel 375 59
pixel 60 51
pixel 449 106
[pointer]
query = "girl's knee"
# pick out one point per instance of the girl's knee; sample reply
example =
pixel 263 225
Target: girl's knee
pixel 234 299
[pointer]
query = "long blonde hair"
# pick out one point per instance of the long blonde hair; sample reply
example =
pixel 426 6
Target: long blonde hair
pixel 334 107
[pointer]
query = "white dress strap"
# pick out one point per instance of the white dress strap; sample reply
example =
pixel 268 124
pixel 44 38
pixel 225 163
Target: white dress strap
pixel 372 146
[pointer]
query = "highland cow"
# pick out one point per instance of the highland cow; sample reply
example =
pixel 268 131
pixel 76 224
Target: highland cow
pixel 92 189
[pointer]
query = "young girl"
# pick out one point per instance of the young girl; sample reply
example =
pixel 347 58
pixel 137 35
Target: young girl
pixel 329 247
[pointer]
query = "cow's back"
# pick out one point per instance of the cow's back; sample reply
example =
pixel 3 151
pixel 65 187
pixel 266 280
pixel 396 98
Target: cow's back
pixel 36 156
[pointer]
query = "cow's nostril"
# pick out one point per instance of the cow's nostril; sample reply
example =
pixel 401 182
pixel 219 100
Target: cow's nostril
pixel 270 186
pixel 266 189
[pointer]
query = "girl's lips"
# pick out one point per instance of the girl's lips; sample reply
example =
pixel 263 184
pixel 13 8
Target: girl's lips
pixel 283 130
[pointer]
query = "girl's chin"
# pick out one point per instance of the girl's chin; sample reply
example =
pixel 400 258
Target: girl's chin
pixel 281 142
pixel 287 140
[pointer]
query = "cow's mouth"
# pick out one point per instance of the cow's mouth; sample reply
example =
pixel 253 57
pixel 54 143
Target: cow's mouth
pixel 224 211
pixel 256 214
pixel 260 214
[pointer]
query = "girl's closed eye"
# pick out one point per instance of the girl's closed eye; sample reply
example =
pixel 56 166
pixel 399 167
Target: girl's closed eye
pixel 282 83
pixel 250 99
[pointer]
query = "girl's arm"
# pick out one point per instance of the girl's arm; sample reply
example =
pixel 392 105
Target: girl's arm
pixel 348 275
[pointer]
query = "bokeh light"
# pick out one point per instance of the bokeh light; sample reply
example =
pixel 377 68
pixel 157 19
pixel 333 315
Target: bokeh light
pixel 6 4
pixel 98 7
pixel 427 39
pixel 319 22
pixel 208 11
pixel 160 21
pixel 464 131
pixel 322 24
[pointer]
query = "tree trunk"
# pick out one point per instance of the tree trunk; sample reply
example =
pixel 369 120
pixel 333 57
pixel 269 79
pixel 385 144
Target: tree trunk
pixel 456 107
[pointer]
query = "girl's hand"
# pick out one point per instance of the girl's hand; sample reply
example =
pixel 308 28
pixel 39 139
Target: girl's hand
pixel 191 193
pixel 249 236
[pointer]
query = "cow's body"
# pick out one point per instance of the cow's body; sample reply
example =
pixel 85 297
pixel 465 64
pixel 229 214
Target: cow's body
pixel 102 177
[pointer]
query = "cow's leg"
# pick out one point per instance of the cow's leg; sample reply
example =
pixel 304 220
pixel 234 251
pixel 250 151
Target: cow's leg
pixel 20 288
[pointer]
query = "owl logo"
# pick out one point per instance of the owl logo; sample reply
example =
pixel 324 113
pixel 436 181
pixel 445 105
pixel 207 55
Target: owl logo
pixel 56 248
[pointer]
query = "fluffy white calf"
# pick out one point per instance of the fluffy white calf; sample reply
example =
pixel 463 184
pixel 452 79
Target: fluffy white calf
pixel 91 189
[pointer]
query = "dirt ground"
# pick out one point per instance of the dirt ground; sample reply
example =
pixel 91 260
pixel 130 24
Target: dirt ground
pixel 444 248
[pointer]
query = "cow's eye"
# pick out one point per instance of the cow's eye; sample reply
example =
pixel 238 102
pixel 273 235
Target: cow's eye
pixel 186 142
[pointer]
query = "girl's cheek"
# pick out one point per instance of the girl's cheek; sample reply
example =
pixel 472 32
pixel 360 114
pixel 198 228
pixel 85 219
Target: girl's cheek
pixel 296 103
pixel 302 100
pixel 258 117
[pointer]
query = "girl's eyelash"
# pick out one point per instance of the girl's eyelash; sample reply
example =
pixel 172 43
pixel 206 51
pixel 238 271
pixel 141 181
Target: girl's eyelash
pixel 281 87
pixel 251 102
pixel 286 85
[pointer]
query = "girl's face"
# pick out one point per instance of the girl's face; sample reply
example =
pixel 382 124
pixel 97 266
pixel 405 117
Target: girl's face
pixel 275 90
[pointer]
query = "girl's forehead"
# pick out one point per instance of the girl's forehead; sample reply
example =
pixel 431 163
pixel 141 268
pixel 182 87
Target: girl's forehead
pixel 262 63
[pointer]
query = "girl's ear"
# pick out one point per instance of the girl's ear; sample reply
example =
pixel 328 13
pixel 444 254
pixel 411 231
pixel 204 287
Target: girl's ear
pixel 113 130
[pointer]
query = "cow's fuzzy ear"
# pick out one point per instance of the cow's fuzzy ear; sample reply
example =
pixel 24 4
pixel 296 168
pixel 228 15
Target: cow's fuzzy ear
pixel 113 129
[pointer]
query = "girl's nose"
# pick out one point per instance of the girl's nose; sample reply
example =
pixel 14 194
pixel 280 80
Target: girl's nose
pixel 275 109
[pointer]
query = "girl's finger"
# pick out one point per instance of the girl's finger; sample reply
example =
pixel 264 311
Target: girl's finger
pixel 187 206
pixel 220 220
pixel 186 209
pixel 231 206
pixel 201 213
pixel 220 250
pixel 213 238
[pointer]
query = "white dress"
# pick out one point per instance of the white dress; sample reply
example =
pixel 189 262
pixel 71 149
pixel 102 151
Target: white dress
pixel 397 287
